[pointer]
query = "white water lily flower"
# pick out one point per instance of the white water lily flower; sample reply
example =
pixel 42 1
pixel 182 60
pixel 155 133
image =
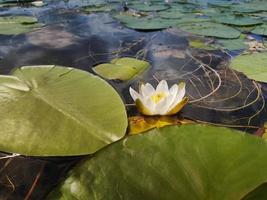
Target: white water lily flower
pixel 160 101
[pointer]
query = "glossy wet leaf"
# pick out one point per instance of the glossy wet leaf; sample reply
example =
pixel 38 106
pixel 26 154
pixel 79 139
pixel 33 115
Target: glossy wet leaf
pixel 254 66
pixel 13 25
pixel 260 30
pixel 121 68
pixel 176 162
pixel 211 29
pixel 56 111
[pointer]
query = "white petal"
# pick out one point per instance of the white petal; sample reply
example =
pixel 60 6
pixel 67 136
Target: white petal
pixel 163 107
pixel 163 87
pixel 173 92
pixel 150 105
pixel 174 89
pixel 135 95
pixel 181 91
pixel 179 96
pixel 147 90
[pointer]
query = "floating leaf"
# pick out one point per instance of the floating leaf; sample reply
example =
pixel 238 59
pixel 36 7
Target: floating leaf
pixel 237 20
pixel 191 18
pixel 56 111
pixel 176 162
pixel 97 8
pixel 148 7
pixel 251 7
pixel 223 4
pixel 144 23
pixel 211 29
pixel 121 68
pixel 17 24
pixel 18 19
pixel 172 14
pixel 260 30
pixel 233 44
pixel 254 66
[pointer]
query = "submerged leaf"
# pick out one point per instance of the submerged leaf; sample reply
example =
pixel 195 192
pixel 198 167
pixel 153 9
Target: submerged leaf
pixel 121 68
pixel 175 162
pixel 56 111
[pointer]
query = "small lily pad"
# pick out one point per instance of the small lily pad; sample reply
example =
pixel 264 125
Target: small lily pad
pixel 121 68
pixel 254 66
pixel 211 29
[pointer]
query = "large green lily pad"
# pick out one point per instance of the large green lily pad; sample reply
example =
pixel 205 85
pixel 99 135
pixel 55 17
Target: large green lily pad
pixel 13 25
pixel 187 162
pixel 254 66
pixel 211 29
pixel 56 111
pixel 121 68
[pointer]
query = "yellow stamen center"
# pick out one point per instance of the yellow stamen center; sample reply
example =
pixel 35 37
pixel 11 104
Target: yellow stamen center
pixel 157 97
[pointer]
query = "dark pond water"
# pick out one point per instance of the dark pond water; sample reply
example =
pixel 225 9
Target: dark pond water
pixel 218 95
